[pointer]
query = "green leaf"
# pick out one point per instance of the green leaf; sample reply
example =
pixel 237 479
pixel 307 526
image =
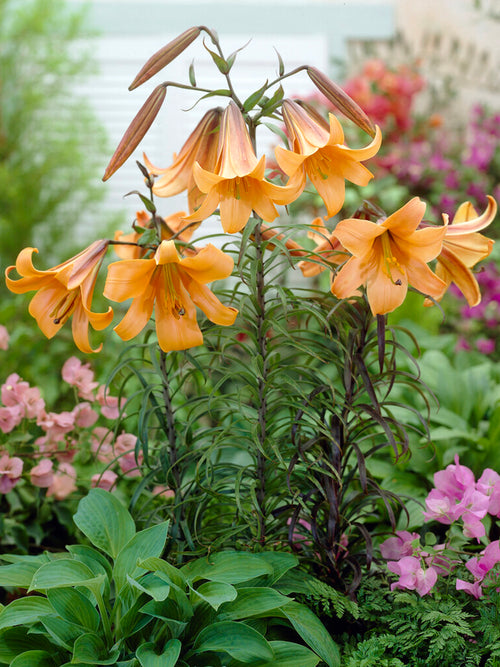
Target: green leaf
pixel 62 632
pixel 288 654
pixel 313 632
pixel 252 602
pixel 33 659
pixel 192 76
pixel 94 559
pixel 148 237
pixel 152 585
pixel 26 610
pixel 105 521
pixel 18 575
pixel 254 98
pixel 74 607
pixel 14 641
pixel 148 657
pixel 230 567
pixel 172 573
pixel 215 593
pixel 91 649
pixel 60 573
pixel 240 641
pixel 222 65
pixel 281 562
pixel 145 544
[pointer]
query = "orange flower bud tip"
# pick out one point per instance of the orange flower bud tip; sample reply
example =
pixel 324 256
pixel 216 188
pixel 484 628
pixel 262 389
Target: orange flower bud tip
pixel 164 56
pixel 136 130
pixel 340 99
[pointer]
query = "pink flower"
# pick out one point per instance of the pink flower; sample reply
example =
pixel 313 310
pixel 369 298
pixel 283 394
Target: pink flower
pixel 401 545
pixel 110 407
pixel 440 507
pixel 479 568
pixel 33 403
pixel 105 481
pixel 56 425
pixel 102 444
pixel 12 390
pixel 412 575
pixel 80 376
pixel 11 469
pixel 41 475
pixel 125 452
pixel 454 480
pixel 163 491
pixel 485 345
pixel 63 483
pixel 10 417
pixel 84 415
pixel 4 338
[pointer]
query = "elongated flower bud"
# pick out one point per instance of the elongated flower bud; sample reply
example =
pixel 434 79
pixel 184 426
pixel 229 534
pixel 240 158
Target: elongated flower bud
pixel 341 100
pixel 165 56
pixel 136 130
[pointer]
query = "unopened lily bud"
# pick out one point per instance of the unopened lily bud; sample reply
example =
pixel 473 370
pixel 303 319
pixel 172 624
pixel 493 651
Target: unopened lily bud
pixel 136 130
pixel 341 100
pixel 165 56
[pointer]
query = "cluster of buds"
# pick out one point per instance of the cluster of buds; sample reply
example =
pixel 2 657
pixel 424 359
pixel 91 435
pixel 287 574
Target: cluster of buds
pixel 161 270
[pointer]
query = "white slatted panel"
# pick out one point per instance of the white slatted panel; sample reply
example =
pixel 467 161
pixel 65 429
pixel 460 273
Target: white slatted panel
pixel 120 59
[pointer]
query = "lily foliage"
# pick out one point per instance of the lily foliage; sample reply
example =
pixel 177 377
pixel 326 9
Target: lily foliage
pixel 262 415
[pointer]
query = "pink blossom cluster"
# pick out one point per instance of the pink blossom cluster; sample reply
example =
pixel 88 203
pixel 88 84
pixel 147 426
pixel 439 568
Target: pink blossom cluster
pixel 48 463
pixel 457 497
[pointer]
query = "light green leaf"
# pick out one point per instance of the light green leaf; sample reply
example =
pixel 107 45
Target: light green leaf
pixel 33 659
pixel 148 657
pixel 90 648
pixel 74 607
pixel 60 573
pixel 172 573
pixel 146 543
pixel 94 559
pixel 230 567
pixel 26 610
pixel 252 602
pixel 152 585
pixel 313 632
pixel 215 593
pixel 105 521
pixel 18 575
pixel 62 632
pixel 240 641
pixel 288 654
pixel 281 562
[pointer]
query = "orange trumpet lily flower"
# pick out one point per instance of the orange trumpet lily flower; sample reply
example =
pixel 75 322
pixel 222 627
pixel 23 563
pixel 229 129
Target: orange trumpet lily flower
pixel 201 146
pixel 387 256
pixel 173 224
pixel 237 184
pixel 173 286
pixel 463 248
pixel 63 291
pixel 328 249
pixel 319 152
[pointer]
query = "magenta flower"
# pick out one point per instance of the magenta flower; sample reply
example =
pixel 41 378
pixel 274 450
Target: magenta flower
pixel 402 544
pixel 412 575
pixel 454 480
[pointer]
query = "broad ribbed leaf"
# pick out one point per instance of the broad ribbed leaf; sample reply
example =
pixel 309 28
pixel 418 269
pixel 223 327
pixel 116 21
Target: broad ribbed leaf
pixel 288 654
pixel 148 657
pixel 152 585
pixel 33 659
pixel 63 632
pixel 146 543
pixel 89 648
pixel 105 521
pixel 240 641
pixel 26 610
pixel 252 602
pixel 230 567
pixel 215 593
pixel 172 573
pixel 59 573
pixel 313 632
pixel 18 575
pixel 14 641
pixel 74 607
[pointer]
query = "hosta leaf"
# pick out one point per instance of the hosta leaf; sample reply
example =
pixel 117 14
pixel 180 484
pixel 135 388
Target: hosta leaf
pixel 148 657
pixel 74 607
pixel 215 593
pixel 172 573
pixel 33 659
pixel 288 654
pixel 146 543
pixel 230 567
pixel 63 632
pixel 152 585
pixel 313 632
pixel 89 648
pixel 59 573
pixel 105 521
pixel 240 641
pixel 14 641
pixel 18 575
pixel 26 610
pixel 252 602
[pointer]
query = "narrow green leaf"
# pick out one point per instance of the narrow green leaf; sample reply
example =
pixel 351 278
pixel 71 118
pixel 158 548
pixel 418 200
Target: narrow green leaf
pixel 145 544
pixel 26 610
pixel 254 98
pixel 313 632
pixel 192 76
pixel 148 657
pixel 105 521
pixel 240 641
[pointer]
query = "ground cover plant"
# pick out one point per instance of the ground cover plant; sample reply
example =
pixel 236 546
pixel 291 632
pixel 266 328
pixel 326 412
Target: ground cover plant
pixel 265 408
